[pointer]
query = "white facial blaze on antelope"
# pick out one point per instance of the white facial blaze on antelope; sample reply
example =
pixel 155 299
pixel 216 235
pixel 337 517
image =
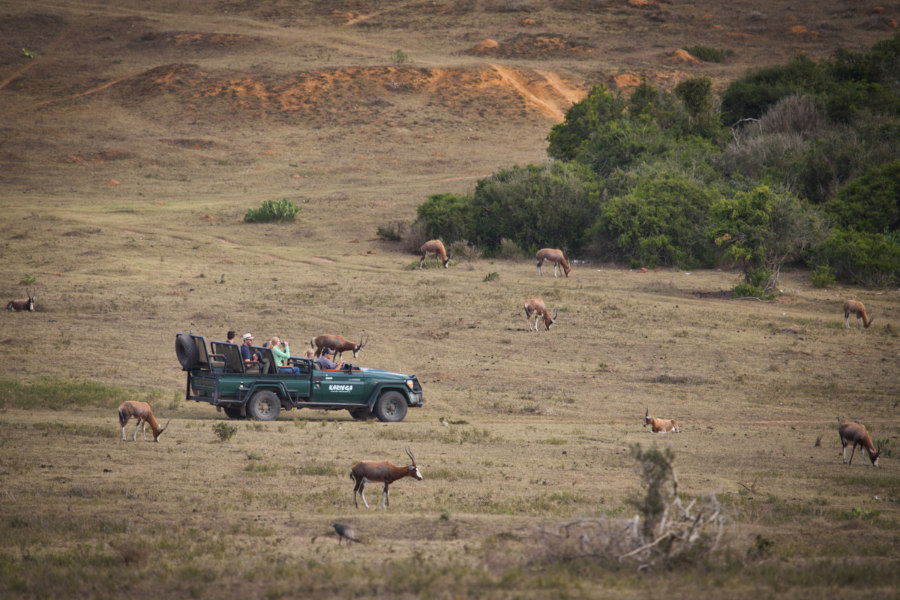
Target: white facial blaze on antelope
pixel 23 305
pixel 660 425
pixel 434 248
pixel 856 307
pixel 337 343
pixel 378 471
pixel 140 411
pixel 536 307
pixel 554 256
pixel 857 435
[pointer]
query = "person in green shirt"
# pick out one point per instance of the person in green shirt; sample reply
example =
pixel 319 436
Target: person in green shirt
pixel 282 352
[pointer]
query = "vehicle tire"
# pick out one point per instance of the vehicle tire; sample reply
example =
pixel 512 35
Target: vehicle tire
pixel 360 414
pixel 186 350
pixel 391 407
pixel 233 412
pixel 264 406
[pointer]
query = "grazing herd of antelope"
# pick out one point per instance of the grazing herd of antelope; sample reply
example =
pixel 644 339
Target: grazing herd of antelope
pixel 385 472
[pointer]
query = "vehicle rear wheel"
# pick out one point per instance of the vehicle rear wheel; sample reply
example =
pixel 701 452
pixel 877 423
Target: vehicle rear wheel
pixel 233 412
pixel 391 407
pixel 264 406
pixel 360 414
pixel 186 350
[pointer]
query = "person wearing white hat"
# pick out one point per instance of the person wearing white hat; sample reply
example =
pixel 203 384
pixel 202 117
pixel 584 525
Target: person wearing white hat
pixel 250 357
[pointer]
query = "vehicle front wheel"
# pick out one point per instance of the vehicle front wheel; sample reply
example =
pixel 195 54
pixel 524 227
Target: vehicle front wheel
pixel 264 406
pixel 391 407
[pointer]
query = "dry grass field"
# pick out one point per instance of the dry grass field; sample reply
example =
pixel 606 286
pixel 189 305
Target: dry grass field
pixel 135 139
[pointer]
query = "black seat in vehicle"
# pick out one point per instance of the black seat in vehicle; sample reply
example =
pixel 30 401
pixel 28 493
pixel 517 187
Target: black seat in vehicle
pixel 231 356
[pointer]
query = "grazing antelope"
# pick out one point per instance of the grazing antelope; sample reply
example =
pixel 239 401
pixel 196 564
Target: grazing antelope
pixel 554 256
pixel 536 307
pixel 23 305
pixel 337 343
pixel 856 307
pixel 140 411
pixel 660 425
pixel 857 434
pixel 366 471
pixel 436 248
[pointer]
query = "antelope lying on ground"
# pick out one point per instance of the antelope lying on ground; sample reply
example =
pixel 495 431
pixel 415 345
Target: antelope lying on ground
pixel 856 307
pixel 435 248
pixel 23 305
pixel 554 256
pixel 660 425
pixel 365 471
pixel 337 343
pixel 140 411
pixel 536 307
pixel 857 435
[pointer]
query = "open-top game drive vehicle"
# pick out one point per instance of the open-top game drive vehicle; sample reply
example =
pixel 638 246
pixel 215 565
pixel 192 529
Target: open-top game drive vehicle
pixel 262 391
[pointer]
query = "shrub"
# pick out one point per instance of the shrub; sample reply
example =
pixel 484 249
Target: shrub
pixel 859 258
pixel 463 250
pixel 662 220
pixel 400 57
pixel 708 54
pixel 392 231
pixel 224 431
pixel 446 216
pixel 870 203
pixel 283 211
pixel 823 276
pixel 509 249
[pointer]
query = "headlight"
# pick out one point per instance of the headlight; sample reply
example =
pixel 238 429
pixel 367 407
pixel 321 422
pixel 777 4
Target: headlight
pixel 409 383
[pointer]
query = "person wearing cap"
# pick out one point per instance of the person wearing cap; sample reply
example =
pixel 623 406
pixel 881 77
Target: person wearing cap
pixel 250 357
pixel 325 360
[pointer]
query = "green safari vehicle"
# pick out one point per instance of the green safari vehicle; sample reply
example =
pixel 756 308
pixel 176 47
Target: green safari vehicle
pixel 217 375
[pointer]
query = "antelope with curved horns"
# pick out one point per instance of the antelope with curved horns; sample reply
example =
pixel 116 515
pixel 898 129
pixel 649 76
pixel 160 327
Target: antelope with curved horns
pixel 378 471
pixel 23 305
pixel 140 411
pixel 857 435
pixel 660 425
pixel 337 343
pixel 856 307
pixel 536 307
pixel 435 248
pixel 554 256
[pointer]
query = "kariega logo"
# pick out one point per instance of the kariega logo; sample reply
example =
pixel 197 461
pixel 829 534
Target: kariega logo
pixel 340 388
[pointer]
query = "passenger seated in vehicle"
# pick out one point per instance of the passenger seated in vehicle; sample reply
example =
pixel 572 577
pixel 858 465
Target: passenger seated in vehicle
pixel 281 351
pixel 325 360
pixel 250 358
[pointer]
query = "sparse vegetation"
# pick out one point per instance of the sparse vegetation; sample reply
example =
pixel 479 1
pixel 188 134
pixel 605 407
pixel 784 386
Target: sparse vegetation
pixel 708 54
pixel 282 211
pixel 224 431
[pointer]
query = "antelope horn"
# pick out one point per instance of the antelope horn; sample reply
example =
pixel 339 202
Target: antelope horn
pixel 409 452
pixel 555 314
pixel 167 424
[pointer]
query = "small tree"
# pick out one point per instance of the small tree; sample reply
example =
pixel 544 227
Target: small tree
pixel 762 230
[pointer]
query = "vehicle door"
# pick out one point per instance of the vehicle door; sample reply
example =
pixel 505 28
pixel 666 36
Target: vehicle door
pixel 340 387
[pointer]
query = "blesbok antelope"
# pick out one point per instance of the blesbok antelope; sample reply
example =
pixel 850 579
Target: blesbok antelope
pixel 660 425
pixel 435 248
pixel 140 411
pixel 856 307
pixel 337 343
pixel 554 256
pixel 23 305
pixel 536 307
pixel 857 435
pixel 378 471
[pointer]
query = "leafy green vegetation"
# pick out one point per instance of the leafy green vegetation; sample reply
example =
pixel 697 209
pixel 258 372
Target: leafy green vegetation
pixel 800 165
pixel 708 54
pixel 282 211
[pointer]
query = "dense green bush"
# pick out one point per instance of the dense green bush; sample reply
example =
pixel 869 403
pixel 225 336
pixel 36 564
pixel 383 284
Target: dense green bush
pixel 534 206
pixel 871 202
pixel 661 220
pixel 446 216
pixel 762 229
pixel 870 259
pixel 283 211
pixel 567 138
